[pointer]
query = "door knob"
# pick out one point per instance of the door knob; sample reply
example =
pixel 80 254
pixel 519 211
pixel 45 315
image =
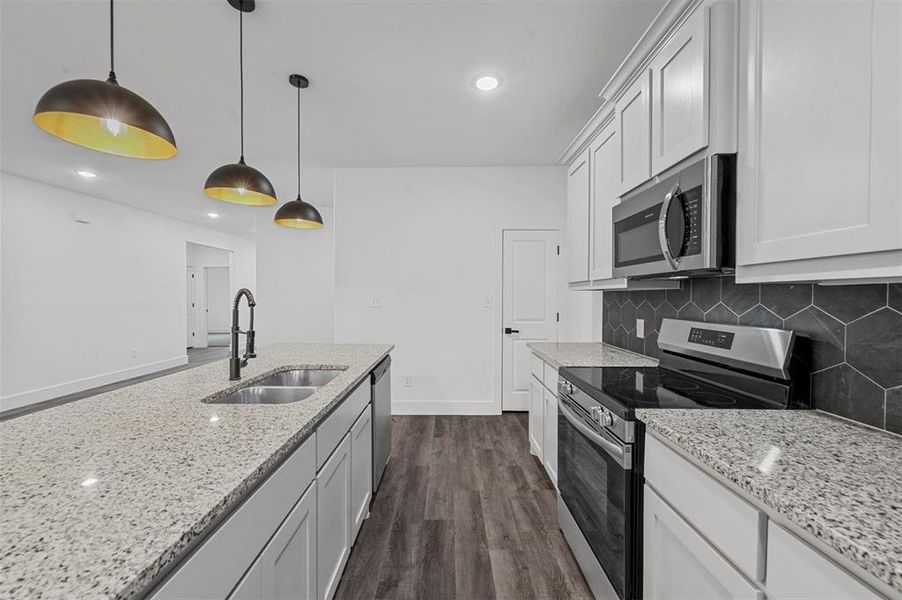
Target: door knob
pixel 509 331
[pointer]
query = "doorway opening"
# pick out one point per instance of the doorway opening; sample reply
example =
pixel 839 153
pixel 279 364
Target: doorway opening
pixel 208 302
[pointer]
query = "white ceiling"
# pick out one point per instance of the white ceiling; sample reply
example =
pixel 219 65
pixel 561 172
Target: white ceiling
pixel 390 86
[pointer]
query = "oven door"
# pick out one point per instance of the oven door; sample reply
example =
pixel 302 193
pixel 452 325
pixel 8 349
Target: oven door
pixel 597 485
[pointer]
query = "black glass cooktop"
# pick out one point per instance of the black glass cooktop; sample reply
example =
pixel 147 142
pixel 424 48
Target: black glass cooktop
pixel 624 389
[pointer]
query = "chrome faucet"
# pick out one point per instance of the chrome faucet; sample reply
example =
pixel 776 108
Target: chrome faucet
pixel 236 363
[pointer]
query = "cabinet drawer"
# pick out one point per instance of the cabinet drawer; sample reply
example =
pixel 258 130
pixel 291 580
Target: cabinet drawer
pixel 729 522
pixel 218 564
pixel 536 366
pixel 549 378
pixel 331 431
pixel 796 571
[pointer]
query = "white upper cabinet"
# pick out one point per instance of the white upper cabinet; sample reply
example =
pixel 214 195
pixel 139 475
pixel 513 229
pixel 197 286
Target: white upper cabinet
pixel 578 218
pixel 604 153
pixel 820 132
pixel 679 94
pixel 633 119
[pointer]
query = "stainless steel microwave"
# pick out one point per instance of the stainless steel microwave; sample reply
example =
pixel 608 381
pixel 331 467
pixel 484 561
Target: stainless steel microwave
pixel 682 225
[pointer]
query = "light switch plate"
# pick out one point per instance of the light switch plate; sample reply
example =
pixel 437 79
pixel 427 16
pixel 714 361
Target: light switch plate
pixel 375 301
pixel 640 328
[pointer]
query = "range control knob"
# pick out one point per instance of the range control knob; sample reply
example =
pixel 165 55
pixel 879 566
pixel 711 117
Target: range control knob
pixel 605 419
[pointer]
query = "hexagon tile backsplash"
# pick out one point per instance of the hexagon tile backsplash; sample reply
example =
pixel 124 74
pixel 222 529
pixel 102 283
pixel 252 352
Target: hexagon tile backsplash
pixel 855 333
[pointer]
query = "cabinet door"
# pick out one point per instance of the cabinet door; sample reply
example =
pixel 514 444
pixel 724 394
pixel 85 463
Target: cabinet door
pixel 578 218
pixel 796 571
pixel 251 585
pixel 633 114
pixel 333 518
pixel 550 445
pixel 679 94
pixel 819 130
pixel 605 161
pixel 289 560
pixel 361 469
pixel 536 413
pixel 678 563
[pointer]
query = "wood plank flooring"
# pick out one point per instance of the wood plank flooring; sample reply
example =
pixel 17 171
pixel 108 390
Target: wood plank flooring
pixel 463 512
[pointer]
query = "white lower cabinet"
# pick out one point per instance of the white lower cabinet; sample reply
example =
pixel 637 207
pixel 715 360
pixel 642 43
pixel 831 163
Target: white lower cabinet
pixel 796 571
pixel 286 569
pixel 550 436
pixel 333 519
pixel 361 469
pixel 536 417
pixel 679 563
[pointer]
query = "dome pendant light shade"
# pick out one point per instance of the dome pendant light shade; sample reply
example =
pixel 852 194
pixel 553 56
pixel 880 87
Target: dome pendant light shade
pixel 240 183
pixel 104 116
pixel 297 213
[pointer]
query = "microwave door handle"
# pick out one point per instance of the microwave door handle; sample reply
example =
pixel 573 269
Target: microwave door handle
pixel 662 227
pixel 623 458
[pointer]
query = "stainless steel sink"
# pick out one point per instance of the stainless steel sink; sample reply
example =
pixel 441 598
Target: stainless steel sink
pixel 300 378
pixel 266 395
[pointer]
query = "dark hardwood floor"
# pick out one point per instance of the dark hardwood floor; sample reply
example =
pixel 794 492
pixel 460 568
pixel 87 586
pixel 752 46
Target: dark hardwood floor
pixel 464 511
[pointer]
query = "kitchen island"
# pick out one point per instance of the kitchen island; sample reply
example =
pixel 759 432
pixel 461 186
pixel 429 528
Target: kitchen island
pixel 101 497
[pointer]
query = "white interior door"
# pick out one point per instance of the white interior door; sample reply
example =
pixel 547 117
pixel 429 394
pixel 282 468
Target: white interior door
pixel 218 308
pixel 530 267
pixel 190 303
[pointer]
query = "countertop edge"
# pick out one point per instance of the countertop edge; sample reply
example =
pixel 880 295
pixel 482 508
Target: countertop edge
pixel 876 580
pixel 149 579
pixel 535 348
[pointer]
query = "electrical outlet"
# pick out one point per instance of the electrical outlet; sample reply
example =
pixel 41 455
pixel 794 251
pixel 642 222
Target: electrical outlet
pixel 640 328
pixel 134 353
pixel 407 381
pixel 375 301
pixel 487 303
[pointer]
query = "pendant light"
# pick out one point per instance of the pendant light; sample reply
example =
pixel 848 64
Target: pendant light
pixel 297 213
pixel 104 116
pixel 239 183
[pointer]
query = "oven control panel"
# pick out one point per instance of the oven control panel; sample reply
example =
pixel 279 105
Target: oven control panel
pixel 711 337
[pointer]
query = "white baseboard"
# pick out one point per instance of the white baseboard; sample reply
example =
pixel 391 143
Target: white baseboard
pixel 70 387
pixel 443 407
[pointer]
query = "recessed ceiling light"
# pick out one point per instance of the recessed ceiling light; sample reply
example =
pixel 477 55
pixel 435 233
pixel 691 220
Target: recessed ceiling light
pixel 213 215
pixel 486 82
pixel 89 482
pixel 86 174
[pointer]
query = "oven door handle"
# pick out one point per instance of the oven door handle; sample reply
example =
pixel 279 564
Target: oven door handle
pixel 662 227
pixel 623 456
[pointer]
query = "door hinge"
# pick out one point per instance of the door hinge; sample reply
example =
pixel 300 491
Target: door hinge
pixel 192 274
pixel 558 317
pixel 558 251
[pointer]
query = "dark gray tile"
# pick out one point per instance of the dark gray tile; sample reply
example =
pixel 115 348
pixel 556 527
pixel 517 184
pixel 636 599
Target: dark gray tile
pixel 609 299
pixel 691 312
pixel 636 344
pixel 647 313
pixel 665 311
pixel 874 346
pixel 706 292
pixel 679 298
pixel 651 345
pixel 843 391
pixel 894 410
pixel 895 296
pixel 628 316
pixel 636 297
pixel 621 338
pixel 826 335
pixel 721 314
pixel 759 316
pixel 607 334
pixel 785 299
pixel 849 302
pixel 612 316
pixel 655 297
pixel 739 297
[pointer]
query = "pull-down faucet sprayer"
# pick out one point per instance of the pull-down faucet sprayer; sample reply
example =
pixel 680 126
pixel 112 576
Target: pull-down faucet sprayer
pixel 236 363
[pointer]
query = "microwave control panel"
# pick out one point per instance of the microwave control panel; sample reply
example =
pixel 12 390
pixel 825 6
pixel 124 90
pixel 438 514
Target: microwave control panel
pixel 692 209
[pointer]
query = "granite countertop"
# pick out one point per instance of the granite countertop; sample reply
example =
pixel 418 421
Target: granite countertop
pixel 833 482
pixel 166 466
pixel 588 354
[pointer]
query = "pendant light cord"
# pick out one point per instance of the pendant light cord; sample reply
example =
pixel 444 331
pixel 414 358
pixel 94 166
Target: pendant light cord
pixel 112 76
pixel 299 142
pixel 241 74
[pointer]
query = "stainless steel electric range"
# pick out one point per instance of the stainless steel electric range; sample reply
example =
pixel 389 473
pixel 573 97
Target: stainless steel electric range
pixel 600 441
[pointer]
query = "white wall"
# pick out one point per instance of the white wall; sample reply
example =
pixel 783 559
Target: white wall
pixel 421 240
pixel 79 299
pixel 296 282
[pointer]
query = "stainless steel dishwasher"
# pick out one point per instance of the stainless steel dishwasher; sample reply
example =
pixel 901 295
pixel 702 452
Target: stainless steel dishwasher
pixel 380 380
